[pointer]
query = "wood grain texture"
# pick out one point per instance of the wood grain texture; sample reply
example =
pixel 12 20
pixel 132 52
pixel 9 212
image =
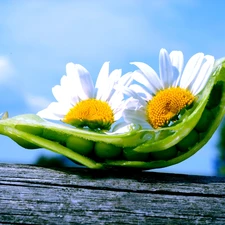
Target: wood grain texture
pixel 36 195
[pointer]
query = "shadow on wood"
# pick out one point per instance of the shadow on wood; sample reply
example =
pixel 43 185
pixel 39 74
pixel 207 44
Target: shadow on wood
pixel 37 195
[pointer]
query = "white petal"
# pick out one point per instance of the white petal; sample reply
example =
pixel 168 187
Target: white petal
pixel 86 81
pixel 165 69
pixel 120 107
pixel 67 90
pixel 104 92
pixel 141 90
pixel 136 113
pixel 150 75
pixel 140 78
pixel 133 94
pixel 45 113
pixel 177 60
pixel 56 110
pixel 126 79
pixel 64 81
pixel 115 76
pixel 116 99
pixel 63 95
pixel 118 114
pixel 107 88
pixel 191 70
pixel 103 75
pixel 203 75
pixel 134 104
pixel 136 117
pixel 71 77
pixel 102 83
pixel 59 93
pixel 84 84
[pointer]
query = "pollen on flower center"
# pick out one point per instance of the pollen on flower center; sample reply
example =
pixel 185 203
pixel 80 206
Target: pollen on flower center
pixel 166 104
pixel 93 113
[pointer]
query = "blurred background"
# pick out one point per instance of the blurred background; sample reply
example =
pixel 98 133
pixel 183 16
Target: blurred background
pixel 38 38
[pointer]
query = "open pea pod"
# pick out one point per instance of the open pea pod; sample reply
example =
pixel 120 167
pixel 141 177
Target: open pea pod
pixel 137 148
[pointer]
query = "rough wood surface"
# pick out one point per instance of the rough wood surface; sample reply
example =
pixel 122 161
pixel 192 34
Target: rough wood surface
pixel 36 195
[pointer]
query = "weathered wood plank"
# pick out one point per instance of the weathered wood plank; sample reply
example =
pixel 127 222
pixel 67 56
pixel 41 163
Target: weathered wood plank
pixel 35 195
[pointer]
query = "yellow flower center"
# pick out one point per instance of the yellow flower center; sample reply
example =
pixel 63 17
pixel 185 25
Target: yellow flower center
pixel 91 113
pixel 167 104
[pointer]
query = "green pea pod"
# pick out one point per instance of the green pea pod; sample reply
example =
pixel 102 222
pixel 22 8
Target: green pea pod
pixel 138 148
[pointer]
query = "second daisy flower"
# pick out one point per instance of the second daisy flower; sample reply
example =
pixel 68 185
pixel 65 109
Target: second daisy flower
pixel 158 100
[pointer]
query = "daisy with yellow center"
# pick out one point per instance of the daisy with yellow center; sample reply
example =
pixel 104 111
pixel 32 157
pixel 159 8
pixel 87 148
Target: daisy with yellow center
pixel 82 104
pixel 158 100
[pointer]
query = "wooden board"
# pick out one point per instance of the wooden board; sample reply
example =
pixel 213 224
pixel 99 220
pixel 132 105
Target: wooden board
pixel 36 195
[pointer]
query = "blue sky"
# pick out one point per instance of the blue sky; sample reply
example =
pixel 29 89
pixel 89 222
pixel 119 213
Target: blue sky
pixel 39 37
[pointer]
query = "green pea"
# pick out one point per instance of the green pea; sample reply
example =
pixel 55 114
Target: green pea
pixel 215 95
pixel 29 129
pixel 107 151
pixel 79 145
pixel 131 155
pixel 165 154
pixel 23 143
pixel 190 140
pixel 54 135
pixel 205 121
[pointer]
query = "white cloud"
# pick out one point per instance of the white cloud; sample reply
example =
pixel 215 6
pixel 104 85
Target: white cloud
pixel 36 103
pixel 6 69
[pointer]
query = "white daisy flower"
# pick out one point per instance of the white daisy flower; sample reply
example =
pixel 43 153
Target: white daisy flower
pixel 158 100
pixel 82 104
